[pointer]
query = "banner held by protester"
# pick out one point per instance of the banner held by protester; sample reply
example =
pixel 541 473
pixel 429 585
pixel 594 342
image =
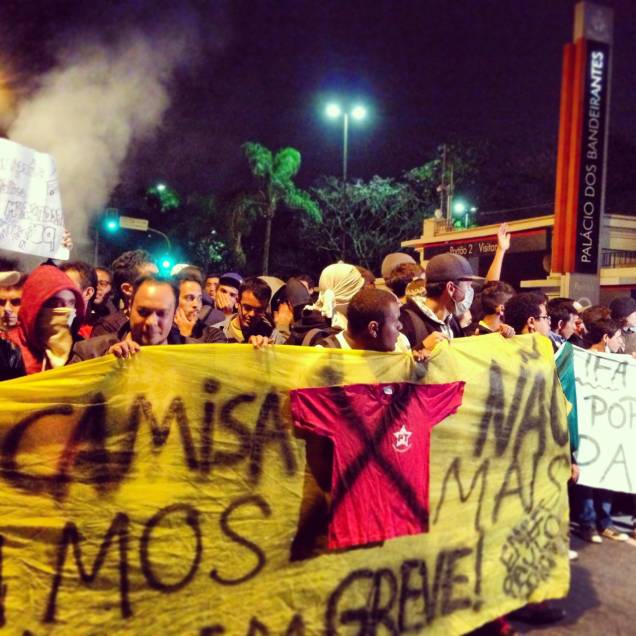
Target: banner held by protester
pixel 31 217
pixel 170 493
pixel 607 419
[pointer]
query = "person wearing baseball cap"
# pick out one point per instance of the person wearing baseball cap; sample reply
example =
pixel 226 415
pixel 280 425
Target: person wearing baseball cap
pixel 624 310
pixel 449 294
pixel 227 292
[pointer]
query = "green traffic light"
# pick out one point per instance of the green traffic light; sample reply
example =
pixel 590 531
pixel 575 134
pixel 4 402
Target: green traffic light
pixel 459 208
pixel 165 263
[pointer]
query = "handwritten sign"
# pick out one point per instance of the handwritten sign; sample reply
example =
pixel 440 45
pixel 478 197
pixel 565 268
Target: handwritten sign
pixel 31 218
pixel 171 494
pixel 606 405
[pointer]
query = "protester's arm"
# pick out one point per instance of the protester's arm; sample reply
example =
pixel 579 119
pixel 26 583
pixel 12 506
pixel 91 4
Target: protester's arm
pixel 503 244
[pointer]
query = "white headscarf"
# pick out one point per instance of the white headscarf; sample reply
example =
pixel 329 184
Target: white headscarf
pixel 338 284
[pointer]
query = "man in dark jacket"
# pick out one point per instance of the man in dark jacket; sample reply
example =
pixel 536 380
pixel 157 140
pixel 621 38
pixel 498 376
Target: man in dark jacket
pixel 153 304
pixel 251 319
pixel 449 294
pixel 11 365
pixel 127 268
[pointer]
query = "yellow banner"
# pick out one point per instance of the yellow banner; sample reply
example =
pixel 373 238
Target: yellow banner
pixel 170 494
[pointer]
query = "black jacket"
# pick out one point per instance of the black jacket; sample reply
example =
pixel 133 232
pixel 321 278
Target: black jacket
pixel 109 324
pixel 310 329
pixel 417 326
pixel 11 364
pixel 99 346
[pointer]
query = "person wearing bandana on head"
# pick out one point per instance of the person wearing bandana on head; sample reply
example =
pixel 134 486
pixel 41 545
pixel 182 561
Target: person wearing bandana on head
pixel 52 309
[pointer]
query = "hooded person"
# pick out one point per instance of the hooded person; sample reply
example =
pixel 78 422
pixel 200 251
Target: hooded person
pixel 51 311
pixel 338 284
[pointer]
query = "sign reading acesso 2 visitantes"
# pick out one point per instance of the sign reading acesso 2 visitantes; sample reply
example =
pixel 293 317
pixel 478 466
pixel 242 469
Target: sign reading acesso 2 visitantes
pixel 592 158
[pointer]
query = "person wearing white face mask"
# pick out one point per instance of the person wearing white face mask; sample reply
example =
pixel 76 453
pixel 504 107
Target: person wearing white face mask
pixel 52 308
pixel 449 295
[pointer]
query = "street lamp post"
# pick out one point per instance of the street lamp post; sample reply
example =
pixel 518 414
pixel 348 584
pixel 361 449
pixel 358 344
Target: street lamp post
pixel 165 236
pixel 334 112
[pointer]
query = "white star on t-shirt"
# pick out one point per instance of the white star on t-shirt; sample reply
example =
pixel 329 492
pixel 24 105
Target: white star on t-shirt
pixel 402 437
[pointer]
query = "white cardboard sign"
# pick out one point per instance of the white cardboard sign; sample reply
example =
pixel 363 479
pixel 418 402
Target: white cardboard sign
pixel 31 218
pixel 606 404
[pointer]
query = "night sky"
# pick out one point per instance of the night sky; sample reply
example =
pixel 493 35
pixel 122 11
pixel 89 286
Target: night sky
pixel 429 72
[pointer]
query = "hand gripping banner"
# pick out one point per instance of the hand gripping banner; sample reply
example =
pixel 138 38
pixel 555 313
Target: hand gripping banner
pixel 194 490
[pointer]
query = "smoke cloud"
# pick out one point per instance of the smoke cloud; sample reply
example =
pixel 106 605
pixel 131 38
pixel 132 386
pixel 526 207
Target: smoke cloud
pixel 88 111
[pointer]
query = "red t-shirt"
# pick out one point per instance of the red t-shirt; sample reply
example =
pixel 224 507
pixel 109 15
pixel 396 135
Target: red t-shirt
pixel 381 438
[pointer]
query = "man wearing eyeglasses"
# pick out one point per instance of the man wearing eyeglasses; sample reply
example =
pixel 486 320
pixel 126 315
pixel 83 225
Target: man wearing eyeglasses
pixel 527 313
pixel 251 317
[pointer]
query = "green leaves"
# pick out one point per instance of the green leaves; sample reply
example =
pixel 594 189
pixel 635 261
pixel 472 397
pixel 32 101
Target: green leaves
pixel 259 159
pixel 286 166
pixel 297 199
pixel 275 184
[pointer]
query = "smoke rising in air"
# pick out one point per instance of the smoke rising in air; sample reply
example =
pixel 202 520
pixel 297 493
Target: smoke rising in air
pixel 88 111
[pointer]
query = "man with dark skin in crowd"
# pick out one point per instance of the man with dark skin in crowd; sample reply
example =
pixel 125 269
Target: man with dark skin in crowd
pixel 373 322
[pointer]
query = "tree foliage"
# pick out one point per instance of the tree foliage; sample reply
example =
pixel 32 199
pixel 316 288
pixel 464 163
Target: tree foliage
pixel 273 189
pixel 375 217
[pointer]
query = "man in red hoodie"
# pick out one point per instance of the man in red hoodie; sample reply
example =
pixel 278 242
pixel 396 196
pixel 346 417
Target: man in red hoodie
pixel 52 308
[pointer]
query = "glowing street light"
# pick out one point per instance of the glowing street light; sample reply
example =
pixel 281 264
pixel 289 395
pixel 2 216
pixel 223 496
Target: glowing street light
pixel 459 208
pixel 334 111
pixel 359 112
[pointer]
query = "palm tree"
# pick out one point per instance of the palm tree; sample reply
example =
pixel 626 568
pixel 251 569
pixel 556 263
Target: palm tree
pixel 274 176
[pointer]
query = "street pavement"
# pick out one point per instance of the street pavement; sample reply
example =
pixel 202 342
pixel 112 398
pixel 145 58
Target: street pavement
pixel 602 598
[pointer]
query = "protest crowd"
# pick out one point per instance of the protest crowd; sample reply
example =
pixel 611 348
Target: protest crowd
pixel 62 314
